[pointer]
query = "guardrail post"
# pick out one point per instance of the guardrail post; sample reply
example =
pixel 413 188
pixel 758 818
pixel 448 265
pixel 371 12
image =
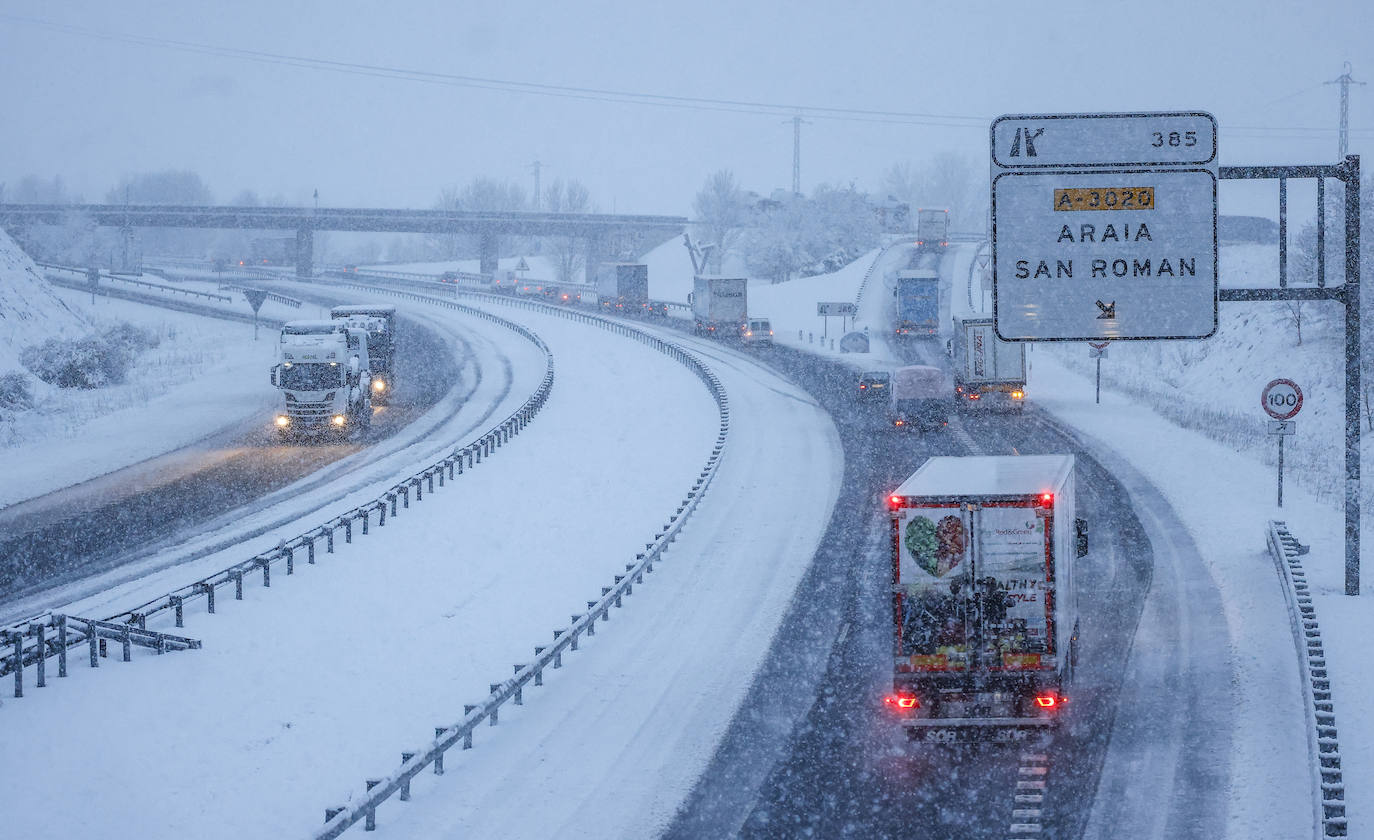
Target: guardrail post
pixel 381 514
pixel 42 663
pixel 361 513
pixel 91 640
pixel 266 565
pixel 328 538
pixel 370 823
pixel 419 489
pixel 430 476
pixel 209 590
pixel 61 646
pixel 290 555
pixel 126 642
pixel 405 783
pixel 18 664
pixel 348 531
pixel 310 549
pixel 439 757
pixel 237 575
pixel 405 497
pixel 175 602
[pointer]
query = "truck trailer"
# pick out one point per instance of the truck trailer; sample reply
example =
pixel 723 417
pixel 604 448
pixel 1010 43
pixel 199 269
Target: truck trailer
pixel 379 319
pixel 623 288
pixel 987 370
pixel 916 303
pixel 720 306
pixel 322 372
pixel 985 616
pixel 932 230
pixel 920 398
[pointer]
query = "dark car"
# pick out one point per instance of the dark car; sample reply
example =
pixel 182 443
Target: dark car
pixel 874 385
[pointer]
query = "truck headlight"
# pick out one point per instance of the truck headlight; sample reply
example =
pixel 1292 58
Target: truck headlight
pixel 378 385
pixel 338 420
pixel 283 421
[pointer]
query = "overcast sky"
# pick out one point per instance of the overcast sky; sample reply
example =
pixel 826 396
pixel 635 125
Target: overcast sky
pixel 85 100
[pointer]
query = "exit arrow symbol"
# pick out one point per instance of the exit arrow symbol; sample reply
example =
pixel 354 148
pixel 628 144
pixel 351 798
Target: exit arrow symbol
pixel 1108 310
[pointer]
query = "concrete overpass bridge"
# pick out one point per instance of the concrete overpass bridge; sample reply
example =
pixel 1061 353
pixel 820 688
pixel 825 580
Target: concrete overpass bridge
pixel 605 236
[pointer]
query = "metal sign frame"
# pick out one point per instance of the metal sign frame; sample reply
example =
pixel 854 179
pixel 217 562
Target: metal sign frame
pixel 1348 295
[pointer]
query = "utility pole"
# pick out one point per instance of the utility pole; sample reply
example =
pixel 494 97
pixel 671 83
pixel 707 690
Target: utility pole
pixel 1345 81
pixel 796 154
pixel 535 167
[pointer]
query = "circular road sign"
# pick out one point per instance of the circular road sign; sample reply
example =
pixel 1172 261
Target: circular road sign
pixel 1282 399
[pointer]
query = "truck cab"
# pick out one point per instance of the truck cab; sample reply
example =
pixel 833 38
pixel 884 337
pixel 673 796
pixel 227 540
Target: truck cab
pixel 324 378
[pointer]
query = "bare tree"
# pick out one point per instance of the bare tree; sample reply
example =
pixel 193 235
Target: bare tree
pixel 722 215
pixel 570 196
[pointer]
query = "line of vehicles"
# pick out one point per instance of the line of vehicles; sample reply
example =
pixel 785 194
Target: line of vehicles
pixel 331 372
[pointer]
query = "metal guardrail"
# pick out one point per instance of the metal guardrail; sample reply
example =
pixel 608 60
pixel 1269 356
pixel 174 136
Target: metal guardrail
pixel 144 283
pixel 1327 782
pixel 88 631
pixel 413 762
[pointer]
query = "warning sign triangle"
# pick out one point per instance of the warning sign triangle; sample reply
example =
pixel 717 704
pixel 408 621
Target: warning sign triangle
pixel 522 265
pixel 255 298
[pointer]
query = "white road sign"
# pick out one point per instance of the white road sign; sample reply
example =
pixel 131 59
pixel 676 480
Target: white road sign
pixel 839 308
pixel 1281 399
pixel 1099 233
pixel 1076 140
pixel 1283 427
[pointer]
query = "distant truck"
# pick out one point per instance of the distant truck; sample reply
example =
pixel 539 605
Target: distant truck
pixel 379 320
pixel 932 230
pixel 720 306
pixel 984 603
pixel 920 398
pixel 324 376
pixel 916 303
pixel 623 288
pixel 987 370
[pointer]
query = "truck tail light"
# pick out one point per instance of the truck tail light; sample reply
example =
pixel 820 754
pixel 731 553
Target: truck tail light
pixel 975 396
pixel 1046 499
pixel 1050 700
pixel 894 502
pixel 902 701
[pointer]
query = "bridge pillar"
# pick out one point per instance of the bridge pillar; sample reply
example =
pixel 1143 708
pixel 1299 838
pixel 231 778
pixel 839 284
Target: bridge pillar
pixel 488 251
pixel 305 251
pixel 598 251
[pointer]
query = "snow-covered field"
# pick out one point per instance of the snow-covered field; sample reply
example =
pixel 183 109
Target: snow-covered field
pixel 268 714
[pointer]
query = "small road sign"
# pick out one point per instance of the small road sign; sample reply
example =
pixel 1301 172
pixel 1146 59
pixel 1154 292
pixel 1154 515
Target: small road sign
pixel 1283 427
pixel 522 265
pixel 1281 399
pixel 1095 352
pixel 838 308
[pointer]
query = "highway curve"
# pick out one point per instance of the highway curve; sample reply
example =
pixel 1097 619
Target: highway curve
pixel 107 521
pixel 813 753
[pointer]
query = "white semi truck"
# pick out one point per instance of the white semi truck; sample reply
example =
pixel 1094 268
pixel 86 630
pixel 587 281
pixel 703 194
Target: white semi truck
pixel 985 609
pixel 323 373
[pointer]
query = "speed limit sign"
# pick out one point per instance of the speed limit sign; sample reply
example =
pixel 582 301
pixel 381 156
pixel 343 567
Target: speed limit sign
pixel 1282 399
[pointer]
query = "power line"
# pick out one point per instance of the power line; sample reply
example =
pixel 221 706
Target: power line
pixel 789 110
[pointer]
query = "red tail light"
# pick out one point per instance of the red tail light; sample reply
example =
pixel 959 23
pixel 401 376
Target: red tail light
pixel 894 501
pixel 1049 701
pixel 902 701
pixel 1046 499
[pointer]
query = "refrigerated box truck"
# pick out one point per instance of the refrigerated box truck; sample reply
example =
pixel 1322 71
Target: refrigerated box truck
pixel 985 613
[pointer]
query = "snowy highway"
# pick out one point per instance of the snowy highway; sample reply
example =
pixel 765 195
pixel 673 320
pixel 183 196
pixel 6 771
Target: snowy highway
pixel 737 693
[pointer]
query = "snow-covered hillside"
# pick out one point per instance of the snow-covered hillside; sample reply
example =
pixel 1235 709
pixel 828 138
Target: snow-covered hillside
pixel 29 310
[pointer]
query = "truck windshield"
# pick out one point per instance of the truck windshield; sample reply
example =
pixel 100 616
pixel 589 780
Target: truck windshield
pixel 312 376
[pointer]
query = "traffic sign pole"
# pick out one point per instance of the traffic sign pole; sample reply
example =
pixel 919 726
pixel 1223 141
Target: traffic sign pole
pixel 1281 399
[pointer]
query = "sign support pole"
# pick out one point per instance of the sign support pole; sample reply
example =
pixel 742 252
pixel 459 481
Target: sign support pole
pixel 1281 437
pixel 1098 399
